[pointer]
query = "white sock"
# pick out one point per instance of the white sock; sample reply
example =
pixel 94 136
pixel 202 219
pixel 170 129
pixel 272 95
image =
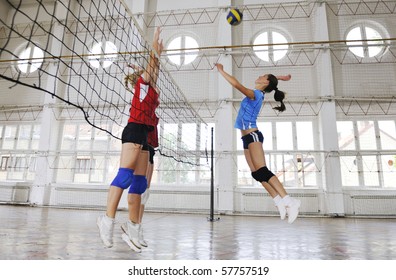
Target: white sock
pixel 108 220
pixel 277 199
pixel 287 200
pixel 133 224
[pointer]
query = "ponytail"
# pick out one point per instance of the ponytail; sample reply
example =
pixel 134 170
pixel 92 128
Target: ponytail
pixel 131 79
pixel 279 96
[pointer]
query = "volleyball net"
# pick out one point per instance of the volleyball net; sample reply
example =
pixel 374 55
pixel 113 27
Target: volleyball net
pixel 79 52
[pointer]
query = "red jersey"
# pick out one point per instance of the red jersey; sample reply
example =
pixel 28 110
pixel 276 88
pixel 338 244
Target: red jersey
pixel 144 102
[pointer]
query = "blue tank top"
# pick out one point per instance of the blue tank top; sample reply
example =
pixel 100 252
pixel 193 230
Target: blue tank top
pixel 249 111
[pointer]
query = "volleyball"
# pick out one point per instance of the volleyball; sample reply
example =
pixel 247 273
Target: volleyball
pixel 234 17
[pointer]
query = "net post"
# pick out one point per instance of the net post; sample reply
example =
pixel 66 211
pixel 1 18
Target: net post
pixel 211 218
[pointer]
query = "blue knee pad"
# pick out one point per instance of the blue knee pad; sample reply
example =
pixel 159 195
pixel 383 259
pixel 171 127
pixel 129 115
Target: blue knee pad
pixel 124 178
pixel 139 184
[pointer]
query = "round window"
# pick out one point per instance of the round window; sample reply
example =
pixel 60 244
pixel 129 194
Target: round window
pixel 102 54
pixel 183 50
pixel 30 59
pixel 365 48
pixel 274 49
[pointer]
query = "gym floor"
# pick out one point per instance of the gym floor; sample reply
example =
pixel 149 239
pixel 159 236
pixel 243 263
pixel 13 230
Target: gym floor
pixel 37 233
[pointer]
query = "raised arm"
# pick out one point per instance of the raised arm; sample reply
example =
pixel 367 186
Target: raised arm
pixel 151 72
pixel 156 71
pixel 234 82
pixel 284 78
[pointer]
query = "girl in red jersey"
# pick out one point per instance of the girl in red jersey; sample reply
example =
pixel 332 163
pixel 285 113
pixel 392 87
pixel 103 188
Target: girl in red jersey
pixel 152 140
pixel 134 154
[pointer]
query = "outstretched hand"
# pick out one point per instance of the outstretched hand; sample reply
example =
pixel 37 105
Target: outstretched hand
pixel 284 78
pixel 157 34
pixel 219 66
pixel 157 43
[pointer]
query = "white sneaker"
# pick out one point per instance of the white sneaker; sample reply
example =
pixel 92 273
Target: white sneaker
pixel 106 227
pixel 292 210
pixel 125 237
pixel 131 235
pixel 141 238
pixel 282 209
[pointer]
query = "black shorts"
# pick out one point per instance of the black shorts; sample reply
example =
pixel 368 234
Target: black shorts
pixel 136 133
pixel 254 136
pixel 152 153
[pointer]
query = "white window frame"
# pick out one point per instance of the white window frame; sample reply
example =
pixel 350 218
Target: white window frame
pixel 366 45
pixel 270 50
pixel 182 54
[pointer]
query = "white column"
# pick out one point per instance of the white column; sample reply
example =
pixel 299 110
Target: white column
pixel 327 121
pixel 49 128
pixel 225 167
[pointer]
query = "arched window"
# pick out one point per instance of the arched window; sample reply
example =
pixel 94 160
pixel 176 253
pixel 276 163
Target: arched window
pixel 103 54
pixel 365 48
pixel 30 58
pixel 185 50
pixel 273 51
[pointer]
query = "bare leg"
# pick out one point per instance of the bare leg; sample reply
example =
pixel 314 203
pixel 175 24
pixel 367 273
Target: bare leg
pixel 129 156
pixel 113 199
pixel 256 159
pixel 274 186
pixel 272 192
pixel 134 200
pixel 134 207
pixel 141 212
pixel 277 185
pixel 149 175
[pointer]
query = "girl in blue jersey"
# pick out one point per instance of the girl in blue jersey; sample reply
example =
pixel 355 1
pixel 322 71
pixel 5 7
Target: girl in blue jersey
pixel 253 139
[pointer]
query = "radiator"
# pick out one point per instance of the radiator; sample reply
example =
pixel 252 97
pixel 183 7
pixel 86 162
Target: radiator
pixel 179 200
pixel 376 205
pixel 78 197
pixel 263 203
pixel 14 194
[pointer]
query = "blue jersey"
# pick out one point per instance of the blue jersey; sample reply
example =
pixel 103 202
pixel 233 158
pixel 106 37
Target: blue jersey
pixel 249 110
